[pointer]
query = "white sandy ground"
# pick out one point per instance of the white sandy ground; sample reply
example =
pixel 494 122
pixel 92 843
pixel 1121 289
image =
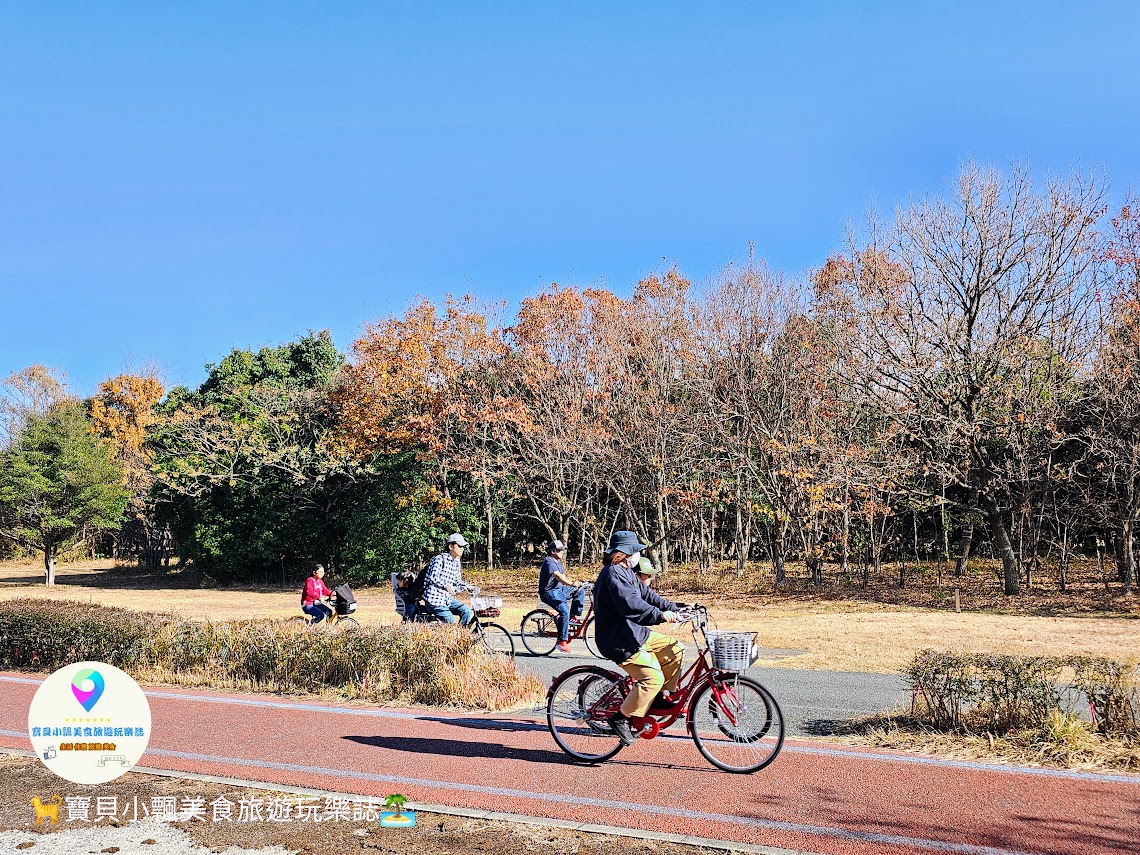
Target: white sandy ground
pixel 167 840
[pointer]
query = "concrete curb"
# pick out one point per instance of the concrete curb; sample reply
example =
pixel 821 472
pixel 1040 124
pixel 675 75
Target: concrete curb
pixel 471 813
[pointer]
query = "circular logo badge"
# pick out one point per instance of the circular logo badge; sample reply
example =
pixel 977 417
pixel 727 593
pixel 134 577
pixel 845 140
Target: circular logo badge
pixel 89 722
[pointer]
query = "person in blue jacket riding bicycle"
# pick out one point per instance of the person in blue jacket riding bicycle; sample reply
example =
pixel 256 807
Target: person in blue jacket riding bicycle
pixel 624 609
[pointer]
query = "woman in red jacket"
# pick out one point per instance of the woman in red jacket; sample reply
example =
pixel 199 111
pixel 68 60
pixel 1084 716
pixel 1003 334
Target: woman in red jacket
pixel 315 591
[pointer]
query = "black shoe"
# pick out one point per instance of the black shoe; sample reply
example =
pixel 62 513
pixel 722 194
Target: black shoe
pixel 620 724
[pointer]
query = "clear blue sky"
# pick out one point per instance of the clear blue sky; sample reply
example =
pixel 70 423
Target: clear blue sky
pixel 180 179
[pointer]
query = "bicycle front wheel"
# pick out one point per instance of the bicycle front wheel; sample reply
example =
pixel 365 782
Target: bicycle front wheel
pixel 497 641
pixel 347 624
pixel 577 712
pixel 588 634
pixel 539 632
pixel 736 724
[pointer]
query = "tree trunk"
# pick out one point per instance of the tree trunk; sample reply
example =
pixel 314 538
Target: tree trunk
pixel 1128 565
pixel 779 551
pixel 488 510
pixel 49 565
pixel 1063 571
pixel 964 547
pixel 1119 539
pixel 845 537
pixel 738 541
pixel 1003 549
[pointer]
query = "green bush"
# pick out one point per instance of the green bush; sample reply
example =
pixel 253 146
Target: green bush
pixel 1001 693
pixel 438 665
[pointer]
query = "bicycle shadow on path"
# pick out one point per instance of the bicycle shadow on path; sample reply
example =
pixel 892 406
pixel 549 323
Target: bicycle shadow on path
pixel 499 751
pixel 422 746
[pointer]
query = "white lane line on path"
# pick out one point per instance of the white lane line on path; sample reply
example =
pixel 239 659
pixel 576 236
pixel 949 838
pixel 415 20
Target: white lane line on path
pixel 556 798
pixel 500 724
pixel 472 813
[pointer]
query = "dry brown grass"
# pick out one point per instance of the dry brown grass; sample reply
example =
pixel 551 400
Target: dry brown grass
pixel 1065 742
pixel 853 632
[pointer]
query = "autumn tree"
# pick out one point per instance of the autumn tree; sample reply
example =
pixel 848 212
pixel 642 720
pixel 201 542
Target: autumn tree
pixel 745 412
pixel 961 301
pixel 1110 421
pixel 122 412
pixel 27 393
pixel 425 387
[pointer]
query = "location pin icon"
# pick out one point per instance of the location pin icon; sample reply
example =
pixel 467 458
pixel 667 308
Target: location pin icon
pixel 87 697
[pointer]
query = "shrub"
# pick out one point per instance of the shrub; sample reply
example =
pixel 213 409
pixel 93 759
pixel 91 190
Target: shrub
pixel 47 634
pixel 1113 693
pixel 1000 693
pixel 438 665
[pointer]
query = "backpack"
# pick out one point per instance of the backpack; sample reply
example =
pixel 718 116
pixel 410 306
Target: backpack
pixel 419 584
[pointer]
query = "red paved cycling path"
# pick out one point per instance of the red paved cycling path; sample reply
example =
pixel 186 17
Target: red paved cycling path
pixel 824 799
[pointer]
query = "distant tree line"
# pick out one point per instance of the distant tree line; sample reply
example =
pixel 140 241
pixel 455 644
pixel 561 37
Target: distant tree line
pixel 961 376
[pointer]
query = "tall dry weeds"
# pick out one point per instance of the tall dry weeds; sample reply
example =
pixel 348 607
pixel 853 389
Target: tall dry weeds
pixel 435 665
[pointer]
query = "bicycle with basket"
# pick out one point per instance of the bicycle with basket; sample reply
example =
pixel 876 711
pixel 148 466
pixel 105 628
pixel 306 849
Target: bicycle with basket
pixel 494 637
pixel 732 718
pixel 343 602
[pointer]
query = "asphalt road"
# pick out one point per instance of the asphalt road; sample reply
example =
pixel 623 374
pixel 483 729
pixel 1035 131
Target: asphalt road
pixel 811 700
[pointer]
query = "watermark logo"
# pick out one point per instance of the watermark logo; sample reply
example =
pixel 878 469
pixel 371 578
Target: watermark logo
pixel 47 811
pixel 398 818
pixel 87 686
pixel 89 722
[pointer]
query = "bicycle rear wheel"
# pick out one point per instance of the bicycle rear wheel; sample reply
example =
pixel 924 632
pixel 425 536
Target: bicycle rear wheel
pixel 539 632
pixel 588 635
pixel 577 712
pixel 497 641
pixel 736 724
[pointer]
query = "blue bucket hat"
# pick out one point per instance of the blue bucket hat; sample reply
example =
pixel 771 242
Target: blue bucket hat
pixel 625 541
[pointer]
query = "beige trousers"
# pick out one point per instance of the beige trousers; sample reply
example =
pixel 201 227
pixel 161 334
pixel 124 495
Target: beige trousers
pixel 655 666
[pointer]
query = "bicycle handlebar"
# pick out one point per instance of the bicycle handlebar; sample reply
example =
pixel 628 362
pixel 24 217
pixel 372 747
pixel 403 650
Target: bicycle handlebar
pixel 697 615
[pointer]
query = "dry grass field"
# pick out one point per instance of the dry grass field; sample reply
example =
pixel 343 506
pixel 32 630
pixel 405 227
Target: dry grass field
pixel 839 627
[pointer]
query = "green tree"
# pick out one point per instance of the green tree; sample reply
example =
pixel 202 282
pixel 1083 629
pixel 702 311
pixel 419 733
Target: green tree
pixel 58 484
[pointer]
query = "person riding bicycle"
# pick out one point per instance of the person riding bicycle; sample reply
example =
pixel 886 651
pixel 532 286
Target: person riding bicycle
pixel 624 609
pixel 559 592
pixel 315 591
pixel 444 578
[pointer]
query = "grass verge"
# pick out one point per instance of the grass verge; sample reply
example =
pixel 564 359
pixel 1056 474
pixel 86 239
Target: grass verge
pixel 1018 709
pixel 1063 741
pixel 435 665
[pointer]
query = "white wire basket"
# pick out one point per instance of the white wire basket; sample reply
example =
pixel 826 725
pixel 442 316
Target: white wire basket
pixel 732 651
pixel 480 603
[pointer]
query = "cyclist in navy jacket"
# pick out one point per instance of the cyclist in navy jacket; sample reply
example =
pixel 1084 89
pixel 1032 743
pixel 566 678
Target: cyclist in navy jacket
pixel 560 592
pixel 624 609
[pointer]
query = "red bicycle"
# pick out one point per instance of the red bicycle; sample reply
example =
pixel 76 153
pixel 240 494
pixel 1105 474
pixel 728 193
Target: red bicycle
pixel 539 628
pixel 734 720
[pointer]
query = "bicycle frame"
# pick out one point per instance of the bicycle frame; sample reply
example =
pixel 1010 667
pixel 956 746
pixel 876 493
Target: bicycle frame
pixel 699 674
pixel 577 624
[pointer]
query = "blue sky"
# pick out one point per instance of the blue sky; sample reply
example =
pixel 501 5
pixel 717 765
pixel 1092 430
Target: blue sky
pixel 181 179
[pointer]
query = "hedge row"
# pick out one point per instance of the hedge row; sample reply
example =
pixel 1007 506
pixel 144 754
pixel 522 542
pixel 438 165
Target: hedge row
pixel 1001 693
pixel 436 665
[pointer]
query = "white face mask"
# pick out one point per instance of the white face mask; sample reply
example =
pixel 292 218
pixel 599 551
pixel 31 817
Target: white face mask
pixel 633 561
